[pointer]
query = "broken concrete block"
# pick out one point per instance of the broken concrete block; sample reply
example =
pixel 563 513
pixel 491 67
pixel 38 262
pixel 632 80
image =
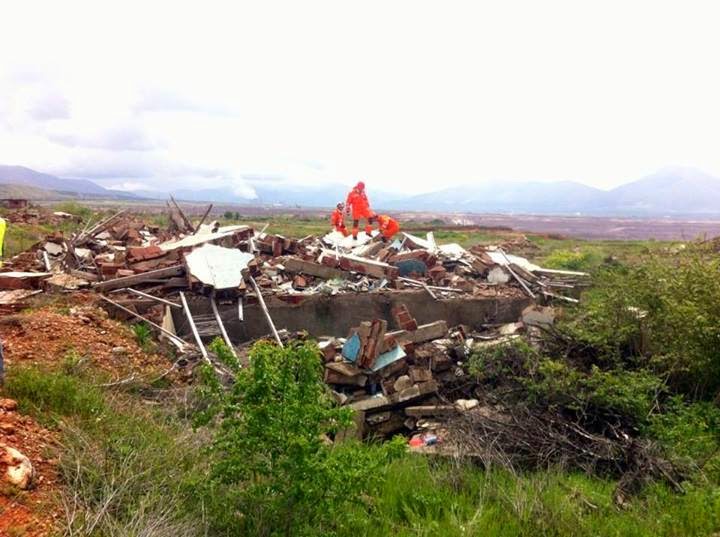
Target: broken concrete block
pixel 419 374
pixel 461 405
pixel 538 315
pixel 403 382
pixel 498 275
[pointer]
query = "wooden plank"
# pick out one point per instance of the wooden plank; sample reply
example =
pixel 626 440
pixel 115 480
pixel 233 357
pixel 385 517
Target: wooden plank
pixel 430 410
pixel 425 332
pixel 224 333
pixel 129 281
pixel 294 265
pixel 179 342
pixel 514 275
pixel 202 220
pixel 157 299
pixel 264 307
pixel 191 321
pixel 189 225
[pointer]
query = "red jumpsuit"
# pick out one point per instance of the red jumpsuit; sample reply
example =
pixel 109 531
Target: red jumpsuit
pixel 358 205
pixel 388 226
pixel 337 220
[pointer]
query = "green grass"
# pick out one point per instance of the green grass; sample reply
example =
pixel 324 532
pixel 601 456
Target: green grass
pixel 127 467
pixel 423 498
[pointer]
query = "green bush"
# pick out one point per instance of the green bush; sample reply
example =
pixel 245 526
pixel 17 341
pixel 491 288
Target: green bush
pixel 580 259
pixel 554 383
pixel 627 395
pixel 661 316
pixel 275 472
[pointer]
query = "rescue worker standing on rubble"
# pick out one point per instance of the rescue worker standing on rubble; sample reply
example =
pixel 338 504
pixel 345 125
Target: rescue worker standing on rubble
pixel 388 227
pixel 337 219
pixel 358 205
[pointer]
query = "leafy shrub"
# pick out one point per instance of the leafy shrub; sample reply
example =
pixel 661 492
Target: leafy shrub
pixel 275 471
pixel 555 383
pixel 627 395
pixel 662 316
pixel 579 259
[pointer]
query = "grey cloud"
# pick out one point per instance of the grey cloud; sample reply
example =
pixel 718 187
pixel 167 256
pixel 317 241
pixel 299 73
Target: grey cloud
pixel 153 170
pixel 162 100
pixel 52 105
pixel 127 137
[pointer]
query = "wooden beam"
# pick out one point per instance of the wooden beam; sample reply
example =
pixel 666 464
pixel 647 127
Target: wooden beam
pixel 182 215
pixel 264 307
pixel 194 329
pixel 224 333
pixel 179 342
pixel 202 220
pixel 310 268
pixel 129 281
pixel 157 299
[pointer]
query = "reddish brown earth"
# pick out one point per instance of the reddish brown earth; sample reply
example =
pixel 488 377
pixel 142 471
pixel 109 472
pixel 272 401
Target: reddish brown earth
pixel 36 512
pixel 44 335
pixel 48 334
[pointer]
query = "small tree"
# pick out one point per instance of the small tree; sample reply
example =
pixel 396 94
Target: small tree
pixel 277 472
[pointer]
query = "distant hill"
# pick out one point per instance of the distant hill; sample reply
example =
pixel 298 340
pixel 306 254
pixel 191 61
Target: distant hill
pixel 668 192
pixel 29 193
pixel 21 176
pixel 557 197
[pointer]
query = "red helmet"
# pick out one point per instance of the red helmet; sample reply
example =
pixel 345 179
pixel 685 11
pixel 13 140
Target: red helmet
pixel 360 185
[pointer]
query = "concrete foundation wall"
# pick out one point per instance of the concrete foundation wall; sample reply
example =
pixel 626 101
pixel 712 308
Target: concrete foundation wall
pixel 322 315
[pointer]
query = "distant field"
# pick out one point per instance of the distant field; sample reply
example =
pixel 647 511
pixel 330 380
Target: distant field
pixel 582 227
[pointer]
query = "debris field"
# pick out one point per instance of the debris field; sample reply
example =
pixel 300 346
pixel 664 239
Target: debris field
pixel 399 375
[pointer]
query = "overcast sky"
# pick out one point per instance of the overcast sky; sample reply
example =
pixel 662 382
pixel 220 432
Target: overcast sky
pixel 406 95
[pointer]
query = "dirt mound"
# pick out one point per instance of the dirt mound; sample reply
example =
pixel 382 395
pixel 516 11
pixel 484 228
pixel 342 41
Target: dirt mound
pixel 49 334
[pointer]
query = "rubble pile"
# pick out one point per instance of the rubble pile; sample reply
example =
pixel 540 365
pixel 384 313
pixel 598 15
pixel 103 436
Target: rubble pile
pixel 414 379
pixel 123 252
pixel 142 270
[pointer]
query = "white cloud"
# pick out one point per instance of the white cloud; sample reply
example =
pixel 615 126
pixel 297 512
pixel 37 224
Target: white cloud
pixel 406 95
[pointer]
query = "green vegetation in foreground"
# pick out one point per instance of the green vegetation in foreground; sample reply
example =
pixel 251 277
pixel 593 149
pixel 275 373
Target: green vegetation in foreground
pixel 129 466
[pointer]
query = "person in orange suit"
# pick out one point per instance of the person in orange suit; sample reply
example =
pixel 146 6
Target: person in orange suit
pixel 358 205
pixel 388 227
pixel 337 219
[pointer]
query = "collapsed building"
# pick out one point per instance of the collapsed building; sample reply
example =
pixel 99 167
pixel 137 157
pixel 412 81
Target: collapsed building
pixel 395 322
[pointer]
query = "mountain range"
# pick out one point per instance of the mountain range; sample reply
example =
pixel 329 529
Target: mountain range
pixel 668 192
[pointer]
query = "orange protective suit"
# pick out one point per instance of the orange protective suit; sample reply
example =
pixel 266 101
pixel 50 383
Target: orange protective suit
pixel 388 226
pixel 337 219
pixel 358 205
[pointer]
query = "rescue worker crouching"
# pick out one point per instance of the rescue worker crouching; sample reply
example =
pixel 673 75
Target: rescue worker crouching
pixel 337 220
pixel 358 205
pixel 388 227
